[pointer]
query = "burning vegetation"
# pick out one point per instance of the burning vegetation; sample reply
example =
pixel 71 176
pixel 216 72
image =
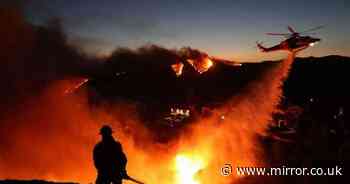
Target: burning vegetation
pixel 198 60
pixel 177 67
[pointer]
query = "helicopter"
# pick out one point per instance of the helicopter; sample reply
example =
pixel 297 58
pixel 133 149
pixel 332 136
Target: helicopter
pixel 293 42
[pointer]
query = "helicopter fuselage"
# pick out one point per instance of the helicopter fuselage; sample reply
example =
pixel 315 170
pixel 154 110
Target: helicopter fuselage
pixel 295 43
pixel 292 44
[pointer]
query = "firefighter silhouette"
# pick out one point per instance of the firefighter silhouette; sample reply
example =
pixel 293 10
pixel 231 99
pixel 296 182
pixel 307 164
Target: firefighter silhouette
pixel 109 159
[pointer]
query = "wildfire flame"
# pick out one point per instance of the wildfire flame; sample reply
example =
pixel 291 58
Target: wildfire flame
pixel 178 67
pixel 201 65
pixel 187 167
pixel 208 63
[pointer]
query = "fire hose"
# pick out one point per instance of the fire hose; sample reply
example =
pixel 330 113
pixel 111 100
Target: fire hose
pixel 127 177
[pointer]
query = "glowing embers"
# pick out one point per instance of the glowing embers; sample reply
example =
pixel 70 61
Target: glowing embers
pixel 201 65
pixel 187 167
pixel 80 82
pixel 178 67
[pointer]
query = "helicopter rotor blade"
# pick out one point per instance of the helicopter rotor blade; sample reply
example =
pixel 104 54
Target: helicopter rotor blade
pixel 278 34
pixel 312 29
pixel 311 33
pixel 291 29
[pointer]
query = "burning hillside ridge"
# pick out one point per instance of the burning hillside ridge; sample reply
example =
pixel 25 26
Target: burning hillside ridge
pixel 198 60
pixel 54 132
pixel 154 58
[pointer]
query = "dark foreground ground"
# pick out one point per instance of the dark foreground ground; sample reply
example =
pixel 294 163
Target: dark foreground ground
pixel 246 180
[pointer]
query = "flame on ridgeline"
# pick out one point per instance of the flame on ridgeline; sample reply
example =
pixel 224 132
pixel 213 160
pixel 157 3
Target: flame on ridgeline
pixel 201 65
pixel 177 68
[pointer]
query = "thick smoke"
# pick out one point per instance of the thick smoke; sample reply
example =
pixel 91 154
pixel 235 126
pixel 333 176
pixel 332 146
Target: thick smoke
pixel 49 135
pixel 37 65
pixel 33 56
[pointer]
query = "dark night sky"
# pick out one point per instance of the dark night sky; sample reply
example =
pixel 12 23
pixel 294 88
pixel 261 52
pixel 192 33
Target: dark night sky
pixel 223 28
